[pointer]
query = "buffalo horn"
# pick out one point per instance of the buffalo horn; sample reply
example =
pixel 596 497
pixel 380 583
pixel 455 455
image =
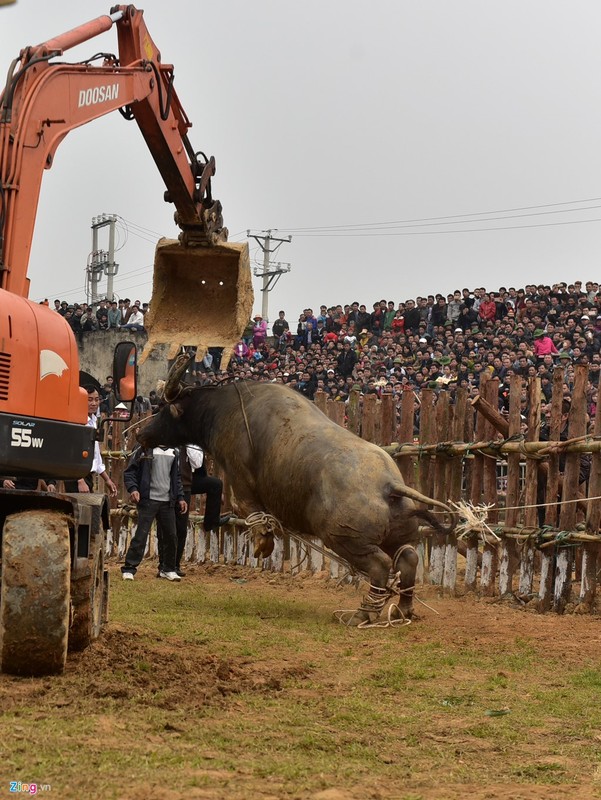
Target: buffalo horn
pixel 173 384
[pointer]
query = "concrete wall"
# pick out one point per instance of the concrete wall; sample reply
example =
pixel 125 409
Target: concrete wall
pixel 96 357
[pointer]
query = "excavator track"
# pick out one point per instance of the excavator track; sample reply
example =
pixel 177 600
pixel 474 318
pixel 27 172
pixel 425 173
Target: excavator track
pixel 35 587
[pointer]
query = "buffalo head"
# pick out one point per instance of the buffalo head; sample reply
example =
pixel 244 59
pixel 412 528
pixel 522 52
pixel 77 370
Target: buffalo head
pixel 168 426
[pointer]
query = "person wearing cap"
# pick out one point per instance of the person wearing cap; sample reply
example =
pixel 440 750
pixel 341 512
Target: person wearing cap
pixel 259 331
pixel 543 344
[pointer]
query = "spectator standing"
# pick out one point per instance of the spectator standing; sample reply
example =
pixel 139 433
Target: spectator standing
pixel 454 307
pixel 280 326
pixel 153 481
pixel 86 485
pixel 259 331
pixel 114 315
pixel 195 480
pixel 346 360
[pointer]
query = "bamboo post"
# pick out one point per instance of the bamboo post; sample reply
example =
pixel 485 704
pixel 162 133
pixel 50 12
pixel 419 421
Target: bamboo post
pixel 508 548
pixel 335 410
pixel 377 434
pixel 568 511
pixel 388 412
pixel 427 435
pixel 455 469
pixel 277 557
pixel 316 558
pixel 368 414
pixel 442 469
pixel 457 435
pixel 214 546
pixel 490 496
pixel 547 557
pixel 590 552
pixel 406 463
pixel 354 414
pixel 116 468
pixel 531 487
pixel 474 495
pixel 320 400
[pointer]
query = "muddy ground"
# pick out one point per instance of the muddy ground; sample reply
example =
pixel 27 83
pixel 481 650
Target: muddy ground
pixel 178 697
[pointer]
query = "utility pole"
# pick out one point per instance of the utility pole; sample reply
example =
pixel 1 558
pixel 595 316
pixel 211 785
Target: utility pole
pixel 101 262
pixel 271 270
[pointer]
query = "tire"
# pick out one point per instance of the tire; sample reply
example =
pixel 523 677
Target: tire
pixel 35 593
pixel 88 599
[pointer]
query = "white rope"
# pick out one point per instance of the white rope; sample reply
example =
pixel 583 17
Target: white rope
pixel 474 521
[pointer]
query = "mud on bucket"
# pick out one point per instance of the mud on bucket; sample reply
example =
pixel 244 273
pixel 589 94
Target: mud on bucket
pixel 201 297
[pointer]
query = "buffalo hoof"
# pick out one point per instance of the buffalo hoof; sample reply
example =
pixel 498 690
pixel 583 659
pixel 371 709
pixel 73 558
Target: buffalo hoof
pixel 359 618
pixel 398 615
pixel 263 546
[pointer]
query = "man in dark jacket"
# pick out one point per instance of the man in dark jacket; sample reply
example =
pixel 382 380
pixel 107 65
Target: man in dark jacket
pixel 195 480
pixel 154 484
pixel 412 317
pixel 346 361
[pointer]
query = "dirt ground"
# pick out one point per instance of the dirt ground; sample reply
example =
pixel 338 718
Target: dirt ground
pixel 192 686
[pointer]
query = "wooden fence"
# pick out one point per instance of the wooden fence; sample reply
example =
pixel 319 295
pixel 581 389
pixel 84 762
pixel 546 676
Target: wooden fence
pixel 528 529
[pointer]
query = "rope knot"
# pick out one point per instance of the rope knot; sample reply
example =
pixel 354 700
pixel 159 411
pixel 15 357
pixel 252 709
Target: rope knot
pixel 263 528
pixel 474 521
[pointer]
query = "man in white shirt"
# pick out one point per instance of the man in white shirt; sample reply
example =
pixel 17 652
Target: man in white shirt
pixel 85 485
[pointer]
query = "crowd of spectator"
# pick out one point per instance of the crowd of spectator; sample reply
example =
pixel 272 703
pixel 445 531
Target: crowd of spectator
pixel 116 314
pixel 433 341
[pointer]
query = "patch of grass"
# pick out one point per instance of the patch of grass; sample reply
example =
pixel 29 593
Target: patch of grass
pixel 294 704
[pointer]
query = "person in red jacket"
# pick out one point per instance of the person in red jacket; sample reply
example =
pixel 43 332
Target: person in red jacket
pixel 487 310
pixel 543 344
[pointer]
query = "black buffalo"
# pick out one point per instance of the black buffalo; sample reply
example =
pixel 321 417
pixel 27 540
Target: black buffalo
pixel 283 456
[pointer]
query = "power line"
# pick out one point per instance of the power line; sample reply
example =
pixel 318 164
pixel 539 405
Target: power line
pixel 411 222
pixel 438 233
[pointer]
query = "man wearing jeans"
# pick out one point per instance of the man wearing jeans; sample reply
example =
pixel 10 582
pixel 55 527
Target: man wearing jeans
pixel 154 484
pixel 196 481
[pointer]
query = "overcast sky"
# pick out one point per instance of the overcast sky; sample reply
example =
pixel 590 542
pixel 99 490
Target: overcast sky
pixel 328 120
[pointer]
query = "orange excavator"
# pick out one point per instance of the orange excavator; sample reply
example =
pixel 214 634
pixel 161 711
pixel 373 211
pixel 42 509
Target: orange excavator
pixel 53 583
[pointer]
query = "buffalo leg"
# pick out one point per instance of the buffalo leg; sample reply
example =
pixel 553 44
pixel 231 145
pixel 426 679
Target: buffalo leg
pixel 377 565
pixel 404 567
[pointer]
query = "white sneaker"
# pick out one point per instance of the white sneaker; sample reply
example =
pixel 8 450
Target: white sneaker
pixel 171 576
pixel 127 576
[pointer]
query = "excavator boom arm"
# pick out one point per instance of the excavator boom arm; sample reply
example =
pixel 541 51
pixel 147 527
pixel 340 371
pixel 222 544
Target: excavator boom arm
pixel 44 100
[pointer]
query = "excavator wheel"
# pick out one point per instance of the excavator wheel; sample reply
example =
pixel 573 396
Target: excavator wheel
pixel 35 601
pixel 88 599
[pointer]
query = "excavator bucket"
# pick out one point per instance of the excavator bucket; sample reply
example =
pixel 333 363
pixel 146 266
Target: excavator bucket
pixel 201 297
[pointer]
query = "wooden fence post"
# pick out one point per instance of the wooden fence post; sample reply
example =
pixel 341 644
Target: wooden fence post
pixel 590 552
pixel 406 463
pixel 490 494
pixel 388 412
pixel 368 417
pixel 569 511
pixel 508 557
pixel 354 415
pixel 547 557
